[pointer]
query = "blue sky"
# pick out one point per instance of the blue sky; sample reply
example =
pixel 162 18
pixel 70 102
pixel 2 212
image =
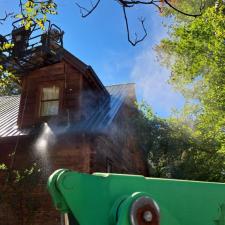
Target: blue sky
pixel 100 41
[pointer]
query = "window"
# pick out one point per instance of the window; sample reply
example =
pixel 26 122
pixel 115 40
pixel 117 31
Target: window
pixel 49 101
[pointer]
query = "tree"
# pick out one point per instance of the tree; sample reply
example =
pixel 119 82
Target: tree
pixel 175 150
pixel 9 84
pixel 195 54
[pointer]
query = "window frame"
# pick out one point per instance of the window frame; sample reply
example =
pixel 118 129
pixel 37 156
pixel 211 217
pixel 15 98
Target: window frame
pixel 40 101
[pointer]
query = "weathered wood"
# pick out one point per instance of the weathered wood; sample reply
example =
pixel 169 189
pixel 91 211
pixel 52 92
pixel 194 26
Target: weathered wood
pixel 61 74
pixel 80 94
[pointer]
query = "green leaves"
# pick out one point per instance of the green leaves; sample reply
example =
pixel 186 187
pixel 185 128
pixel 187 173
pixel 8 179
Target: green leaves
pixel 17 187
pixel 195 7
pixel 176 149
pixel 9 84
pixel 5 46
pixel 197 48
pixel 3 166
pixel 36 12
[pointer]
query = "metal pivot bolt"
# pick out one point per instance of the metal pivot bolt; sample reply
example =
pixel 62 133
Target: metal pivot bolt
pixel 144 211
pixel 147 216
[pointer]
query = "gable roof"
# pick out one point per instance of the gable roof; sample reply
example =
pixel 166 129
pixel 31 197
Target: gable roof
pixel 85 69
pixel 101 119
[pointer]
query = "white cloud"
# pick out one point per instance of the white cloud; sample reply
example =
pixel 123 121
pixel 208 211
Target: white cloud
pixel 152 84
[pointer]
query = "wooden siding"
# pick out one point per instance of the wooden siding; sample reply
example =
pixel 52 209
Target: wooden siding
pixel 33 205
pixel 64 76
pixel 83 153
pixel 79 94
pixel 119 147
pixel 91 98
pixel 80 152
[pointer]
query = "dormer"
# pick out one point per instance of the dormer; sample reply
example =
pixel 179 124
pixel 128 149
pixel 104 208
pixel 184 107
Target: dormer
pixel 61 93
pixel 56 86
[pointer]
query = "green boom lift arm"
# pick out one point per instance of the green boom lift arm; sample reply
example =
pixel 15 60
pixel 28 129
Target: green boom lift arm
pixel 113 199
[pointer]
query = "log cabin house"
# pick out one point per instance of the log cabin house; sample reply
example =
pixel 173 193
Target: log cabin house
pixel 64 118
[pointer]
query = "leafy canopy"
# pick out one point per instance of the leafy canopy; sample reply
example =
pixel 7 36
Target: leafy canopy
pixel 195 54
pixel 175 151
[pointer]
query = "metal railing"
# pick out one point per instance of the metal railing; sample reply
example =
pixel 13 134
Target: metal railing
pixel 31 48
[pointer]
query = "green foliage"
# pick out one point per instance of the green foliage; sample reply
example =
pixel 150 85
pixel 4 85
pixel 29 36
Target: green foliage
pixel 9 84
pixel 20 178
pixel 3 167
pixel 16 191
pixel 195 54
pixel 36 12
pixel 192 7
pixel 175 150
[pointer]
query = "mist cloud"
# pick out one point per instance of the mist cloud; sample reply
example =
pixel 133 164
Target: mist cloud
pixel 152 83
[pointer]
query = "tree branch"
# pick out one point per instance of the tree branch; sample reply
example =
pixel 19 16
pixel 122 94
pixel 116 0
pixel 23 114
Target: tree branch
pixel 21 8
pixel 2 20
pixel 131 3
pixel 88 12
pixel 137 40
pixel 179 11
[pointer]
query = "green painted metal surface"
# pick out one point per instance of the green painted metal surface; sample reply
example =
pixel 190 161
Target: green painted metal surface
pixel 105 199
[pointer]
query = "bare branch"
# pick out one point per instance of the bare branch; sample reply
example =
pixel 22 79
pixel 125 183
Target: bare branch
pixel 131 3
pixel 6 17
pixel 179 11
pixel 88 12
pixel 21 8
pixel 137 40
